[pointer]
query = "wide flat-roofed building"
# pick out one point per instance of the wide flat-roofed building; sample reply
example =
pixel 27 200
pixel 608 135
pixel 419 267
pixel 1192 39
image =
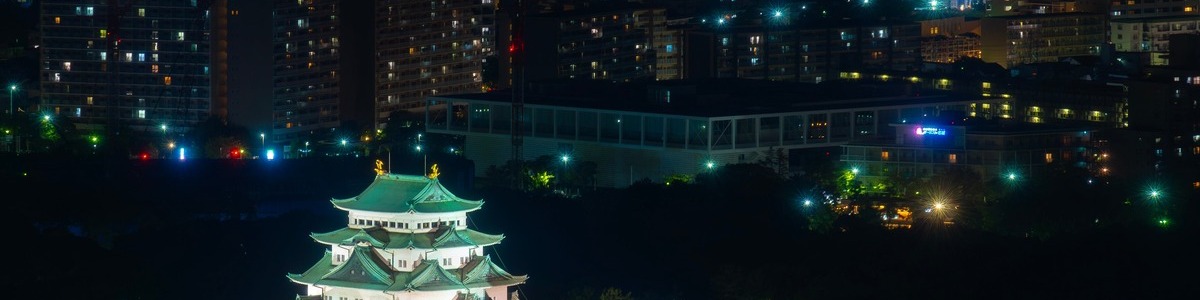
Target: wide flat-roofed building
pixel 651 130
pixel 992 149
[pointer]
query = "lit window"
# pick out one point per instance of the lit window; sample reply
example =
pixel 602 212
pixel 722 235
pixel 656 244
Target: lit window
pixel 179 37
pixel 141 12
pixel 1049 157
pixel 953 158
pixel 153 68
pixel 90 100
pixel 103 33
pixel 78 111
pixel 141 114
pixel 155 45
pixel 90 11
pixel 141 57
pixel 57 20
pixel 103 55
pixel 57 77
pixel 885 155
pixel 167 80
pixel 128 56
pixel 154 57
pixel 67 66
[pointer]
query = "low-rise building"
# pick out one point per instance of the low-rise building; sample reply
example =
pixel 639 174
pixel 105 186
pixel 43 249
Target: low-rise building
pixel 653 130
pixel 991 149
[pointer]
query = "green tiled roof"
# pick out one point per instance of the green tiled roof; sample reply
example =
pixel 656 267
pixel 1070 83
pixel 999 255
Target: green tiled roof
pixel 444 237
pixel 406 193
pixel 365 270
pixel 363 267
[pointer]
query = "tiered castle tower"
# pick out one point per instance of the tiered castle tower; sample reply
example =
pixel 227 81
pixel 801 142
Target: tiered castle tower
pixel 407 238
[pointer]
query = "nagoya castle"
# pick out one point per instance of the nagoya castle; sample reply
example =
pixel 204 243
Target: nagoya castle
pixel 407 238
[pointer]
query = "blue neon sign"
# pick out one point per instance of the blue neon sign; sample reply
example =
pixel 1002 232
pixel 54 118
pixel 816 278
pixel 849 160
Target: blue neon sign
pixel 930 130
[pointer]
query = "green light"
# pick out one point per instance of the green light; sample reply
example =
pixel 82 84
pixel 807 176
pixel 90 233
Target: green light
pixel 95 139
pixel 1164 222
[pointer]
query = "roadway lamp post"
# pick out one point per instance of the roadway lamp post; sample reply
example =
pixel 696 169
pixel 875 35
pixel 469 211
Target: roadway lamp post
pixel 11 89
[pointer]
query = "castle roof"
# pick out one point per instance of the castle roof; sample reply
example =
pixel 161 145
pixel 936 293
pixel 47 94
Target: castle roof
pixel 444 237
pixel 365 270
pixel 395 193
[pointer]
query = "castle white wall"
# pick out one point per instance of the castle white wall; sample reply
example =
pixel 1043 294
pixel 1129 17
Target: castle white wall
pixel 337 293
pixel 413 221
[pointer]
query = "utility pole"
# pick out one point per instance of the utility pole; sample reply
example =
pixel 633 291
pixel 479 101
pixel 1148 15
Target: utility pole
pixel 112 42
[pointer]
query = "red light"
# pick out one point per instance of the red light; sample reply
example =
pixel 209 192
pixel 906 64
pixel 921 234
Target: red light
pixel 145 156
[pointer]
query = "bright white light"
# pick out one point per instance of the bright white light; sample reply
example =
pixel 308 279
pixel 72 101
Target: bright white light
pixel 710 164
pixel 939 206
pixel 565 158
pixel 854 170
pixel 343 142
pixel 182 152
pixel 933 3
pixel 270 154
pixel 807 202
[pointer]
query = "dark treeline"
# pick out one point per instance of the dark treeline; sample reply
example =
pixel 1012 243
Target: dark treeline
pixel 232 229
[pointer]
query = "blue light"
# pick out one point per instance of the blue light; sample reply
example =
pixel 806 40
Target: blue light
pixel 930 130
pixel 182 152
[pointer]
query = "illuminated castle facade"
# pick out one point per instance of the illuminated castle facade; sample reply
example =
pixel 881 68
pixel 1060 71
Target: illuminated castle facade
pixel 407 238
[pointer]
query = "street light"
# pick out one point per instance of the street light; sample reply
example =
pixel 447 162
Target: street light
pixel 11 89
pixel 565 158
pixel 263 136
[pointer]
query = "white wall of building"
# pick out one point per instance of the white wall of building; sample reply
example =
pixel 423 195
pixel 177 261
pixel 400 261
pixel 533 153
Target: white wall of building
pixel 337 293
pixel 413 220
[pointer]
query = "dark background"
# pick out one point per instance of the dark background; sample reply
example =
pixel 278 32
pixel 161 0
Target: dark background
pixel 232 229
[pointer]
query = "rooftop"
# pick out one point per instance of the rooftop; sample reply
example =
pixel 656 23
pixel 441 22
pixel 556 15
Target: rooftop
pixel 365 270
pixel 714 97
pixel 406 193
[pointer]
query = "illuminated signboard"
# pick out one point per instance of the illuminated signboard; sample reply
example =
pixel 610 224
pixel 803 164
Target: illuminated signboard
pixel 930 130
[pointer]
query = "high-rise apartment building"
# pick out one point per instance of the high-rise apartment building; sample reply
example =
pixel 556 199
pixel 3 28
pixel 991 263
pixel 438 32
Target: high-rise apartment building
pixel 1153 8
pixel 306 50
pixel 1022 39
pixel 1149 34
pixel 802 52
pixel 607 44
pixel 429 48
pixel 140 65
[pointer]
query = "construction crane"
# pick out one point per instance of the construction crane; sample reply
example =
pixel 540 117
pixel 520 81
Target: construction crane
pixel 516 50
